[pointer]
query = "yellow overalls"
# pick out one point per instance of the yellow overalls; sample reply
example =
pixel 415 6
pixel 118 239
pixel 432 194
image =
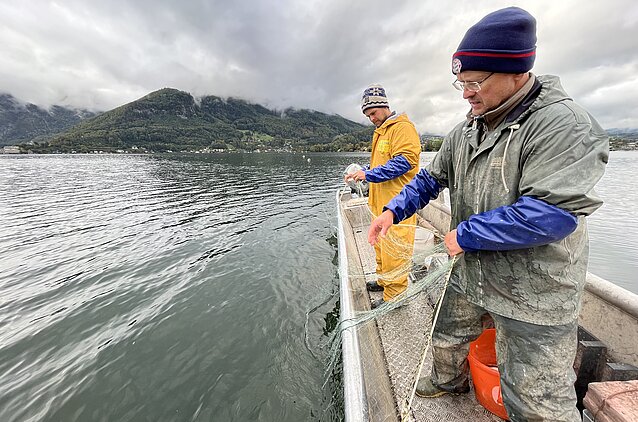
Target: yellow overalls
pixel 396 136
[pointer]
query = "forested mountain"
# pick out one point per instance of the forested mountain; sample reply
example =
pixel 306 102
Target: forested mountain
pixel 172 120
pixel 23 122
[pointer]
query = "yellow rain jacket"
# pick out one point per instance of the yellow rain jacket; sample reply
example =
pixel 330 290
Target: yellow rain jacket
pixel 396 136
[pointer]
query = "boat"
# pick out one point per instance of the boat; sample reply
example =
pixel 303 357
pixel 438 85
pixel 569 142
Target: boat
pixel 381 358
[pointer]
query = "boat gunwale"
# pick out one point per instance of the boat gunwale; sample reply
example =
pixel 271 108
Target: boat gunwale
pixel 355 401
pixel 614 295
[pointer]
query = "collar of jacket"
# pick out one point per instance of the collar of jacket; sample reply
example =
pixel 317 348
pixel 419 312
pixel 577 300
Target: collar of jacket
pixel 507 112
pixel 495 117
pixel 545 91
pixel 527 102
pixel 392 119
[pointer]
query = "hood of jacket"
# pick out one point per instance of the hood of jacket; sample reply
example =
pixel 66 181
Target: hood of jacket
pixel 547 90
pixel 392 120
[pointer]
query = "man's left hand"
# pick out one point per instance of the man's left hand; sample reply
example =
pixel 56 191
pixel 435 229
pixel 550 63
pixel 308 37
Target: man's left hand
pixel 451 244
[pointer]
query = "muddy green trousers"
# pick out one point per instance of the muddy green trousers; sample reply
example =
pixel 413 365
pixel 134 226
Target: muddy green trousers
pixel 535 361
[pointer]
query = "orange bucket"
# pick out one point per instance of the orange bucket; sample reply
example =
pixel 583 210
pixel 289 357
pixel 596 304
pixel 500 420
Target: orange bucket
pixel 485 376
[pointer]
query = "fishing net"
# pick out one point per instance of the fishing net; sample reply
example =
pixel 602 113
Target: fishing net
pixel 395 339
pixel 397 334
pixel 404 324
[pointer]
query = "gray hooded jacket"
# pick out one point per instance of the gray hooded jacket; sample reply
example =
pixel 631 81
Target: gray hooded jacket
pixel 550 149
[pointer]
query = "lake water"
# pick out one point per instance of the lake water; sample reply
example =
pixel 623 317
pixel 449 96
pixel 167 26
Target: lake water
pixel 176 288
pixel 613 229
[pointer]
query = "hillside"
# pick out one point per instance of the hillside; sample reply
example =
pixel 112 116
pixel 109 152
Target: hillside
pixel 23 122
pixel 172 120
pixel 623 133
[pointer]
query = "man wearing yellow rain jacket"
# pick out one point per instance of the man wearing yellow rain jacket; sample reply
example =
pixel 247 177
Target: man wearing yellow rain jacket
pixel 394 162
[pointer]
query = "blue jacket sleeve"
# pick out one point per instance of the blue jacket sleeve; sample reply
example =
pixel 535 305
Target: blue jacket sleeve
pixel 415 195
pixel 393 168
pixel 528 223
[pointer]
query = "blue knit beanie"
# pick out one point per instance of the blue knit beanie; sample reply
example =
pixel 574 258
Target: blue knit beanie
pixel 374 96
pixel 503 42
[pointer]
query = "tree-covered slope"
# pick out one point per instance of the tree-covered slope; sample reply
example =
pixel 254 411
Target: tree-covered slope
pixel 169 119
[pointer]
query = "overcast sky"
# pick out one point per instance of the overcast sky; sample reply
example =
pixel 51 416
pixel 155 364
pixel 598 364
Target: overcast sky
pixel 304 54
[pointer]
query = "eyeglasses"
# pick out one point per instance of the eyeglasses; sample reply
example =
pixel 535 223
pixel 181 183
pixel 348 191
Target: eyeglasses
pixel 470 86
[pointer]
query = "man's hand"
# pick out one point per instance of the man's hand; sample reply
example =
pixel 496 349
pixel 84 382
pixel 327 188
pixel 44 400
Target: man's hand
pixel 451 244
pixel 380 226
pixel 356 176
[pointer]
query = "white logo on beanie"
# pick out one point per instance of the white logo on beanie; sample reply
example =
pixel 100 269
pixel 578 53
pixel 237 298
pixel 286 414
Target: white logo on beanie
pixel 456 66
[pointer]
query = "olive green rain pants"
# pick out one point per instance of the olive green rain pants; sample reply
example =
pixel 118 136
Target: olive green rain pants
pixel 535 362
pixel 394 258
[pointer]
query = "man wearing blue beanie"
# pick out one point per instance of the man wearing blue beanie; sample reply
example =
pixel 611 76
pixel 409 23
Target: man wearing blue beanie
pixel 521 170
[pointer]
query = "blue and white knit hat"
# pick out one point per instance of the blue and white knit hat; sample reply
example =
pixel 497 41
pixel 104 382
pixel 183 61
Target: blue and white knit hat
pixel 374 96
pixel 503 42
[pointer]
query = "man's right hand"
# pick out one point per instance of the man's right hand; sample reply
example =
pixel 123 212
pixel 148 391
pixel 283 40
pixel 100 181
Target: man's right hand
pixel 380 226
pixel 357 176
pixel 452 244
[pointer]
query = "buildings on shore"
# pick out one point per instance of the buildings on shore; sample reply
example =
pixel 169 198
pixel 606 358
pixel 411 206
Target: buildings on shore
pixel 10 149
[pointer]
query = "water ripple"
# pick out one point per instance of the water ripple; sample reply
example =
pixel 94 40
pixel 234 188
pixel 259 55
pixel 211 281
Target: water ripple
pixel 170 288
pixel 118 269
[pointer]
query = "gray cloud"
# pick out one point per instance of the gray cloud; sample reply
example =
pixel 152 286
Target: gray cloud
pixel 308 54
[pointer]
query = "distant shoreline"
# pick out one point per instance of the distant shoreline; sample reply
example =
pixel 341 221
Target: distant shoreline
pixel 428 145
pixel 219 152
